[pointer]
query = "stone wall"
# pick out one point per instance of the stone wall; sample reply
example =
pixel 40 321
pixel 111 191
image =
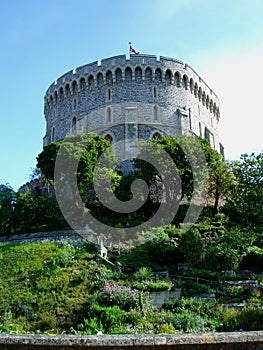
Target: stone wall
pixel 218 341
pixel 164 96
pixel 43 236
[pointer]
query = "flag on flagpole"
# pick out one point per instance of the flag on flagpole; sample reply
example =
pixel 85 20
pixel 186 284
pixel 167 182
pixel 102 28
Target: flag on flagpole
pixel 132 50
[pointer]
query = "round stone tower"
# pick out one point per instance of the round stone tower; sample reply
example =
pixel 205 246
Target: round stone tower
pixel 136 98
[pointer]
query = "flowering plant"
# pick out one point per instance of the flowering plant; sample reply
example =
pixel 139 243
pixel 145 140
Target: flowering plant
pixel 125 297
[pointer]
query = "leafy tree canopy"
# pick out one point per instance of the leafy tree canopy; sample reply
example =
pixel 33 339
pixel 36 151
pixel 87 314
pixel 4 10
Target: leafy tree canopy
pixel 246 202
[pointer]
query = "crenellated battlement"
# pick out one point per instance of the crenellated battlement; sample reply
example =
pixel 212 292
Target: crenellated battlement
pixel 164 64
pixel 162 95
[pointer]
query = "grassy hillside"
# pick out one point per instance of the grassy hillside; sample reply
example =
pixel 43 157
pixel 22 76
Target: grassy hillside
pixel 45 286
pixel 59 288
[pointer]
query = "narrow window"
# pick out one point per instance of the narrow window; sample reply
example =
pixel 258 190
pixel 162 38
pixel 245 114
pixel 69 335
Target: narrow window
pixel 108 115
pixel 200 129
pixel 109 94
pixel 154 92
pixel 74 124
pixel 75 103
pixel 53 134
pixel 190 119
pixel 207 134
pixel 213 141
pixel 155 114
pixel 54 115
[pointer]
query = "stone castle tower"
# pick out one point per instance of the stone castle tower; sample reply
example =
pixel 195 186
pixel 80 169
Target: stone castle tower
pixel 138 97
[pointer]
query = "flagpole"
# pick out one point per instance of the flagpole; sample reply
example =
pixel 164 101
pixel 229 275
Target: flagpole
pixel 130 50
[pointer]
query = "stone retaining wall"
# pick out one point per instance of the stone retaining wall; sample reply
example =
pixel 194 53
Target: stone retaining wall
pixel 238 341
pixel 43 236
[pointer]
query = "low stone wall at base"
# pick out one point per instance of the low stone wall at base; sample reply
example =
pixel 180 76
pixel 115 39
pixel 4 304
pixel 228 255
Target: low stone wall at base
pixel 229 341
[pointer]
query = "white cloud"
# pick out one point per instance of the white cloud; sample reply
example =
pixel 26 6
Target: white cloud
pixel 238 80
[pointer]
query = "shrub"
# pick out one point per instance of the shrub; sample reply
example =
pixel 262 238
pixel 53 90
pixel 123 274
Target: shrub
pixel 191 323
pixel 248 319
pixel 166 328
pixel 109 320
pixel 124 297
pixel 196 306
pixel 12 329
pixel 144 273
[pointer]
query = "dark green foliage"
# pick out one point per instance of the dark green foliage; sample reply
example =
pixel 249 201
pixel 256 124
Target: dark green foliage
pixel 7 196
pixel 165 254
pixel 253 260
pixel 107 319
pixel 192 246
pixel 247 320
pixel 245 206
pixel 33 212
pixel 86 148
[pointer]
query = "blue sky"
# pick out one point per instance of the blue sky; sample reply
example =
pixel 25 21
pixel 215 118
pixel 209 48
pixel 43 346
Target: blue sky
pixel 41 40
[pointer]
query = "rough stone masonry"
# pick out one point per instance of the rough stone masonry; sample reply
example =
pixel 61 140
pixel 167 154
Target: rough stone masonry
pixel 139 97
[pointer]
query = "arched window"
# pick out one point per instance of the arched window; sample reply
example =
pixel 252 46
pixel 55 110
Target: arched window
pixel 128 74
pixel 214 108
pixel 138 74
pixel 109 138
pixel 82 84
pixel 74 87
pixel 74 125
pixel 100 80
pixel 207 134
pixel 91 81
pixel 158 75
pixel 168 77
pixel 109 77
pixel 156 136
pixel 61 93
pixel 203 98
pixel 207 102
pixel 108 115
pixel 118 75
pixel 56 97
pixel 200 94
pixel 196 90
pixel 185 82
pixel 191 85
pixel 218 113
pixel 148 74
pixel 177 79
pixel 67 89
pixel 155 114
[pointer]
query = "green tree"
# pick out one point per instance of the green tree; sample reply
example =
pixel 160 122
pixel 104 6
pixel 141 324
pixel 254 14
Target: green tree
pixel 221 257
pixel 6 208
pixel 86 148
pixel 186 152
pixel 192 246
pixel 221 178
pixel 34 212
pixel 182 151
pixel 246 203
